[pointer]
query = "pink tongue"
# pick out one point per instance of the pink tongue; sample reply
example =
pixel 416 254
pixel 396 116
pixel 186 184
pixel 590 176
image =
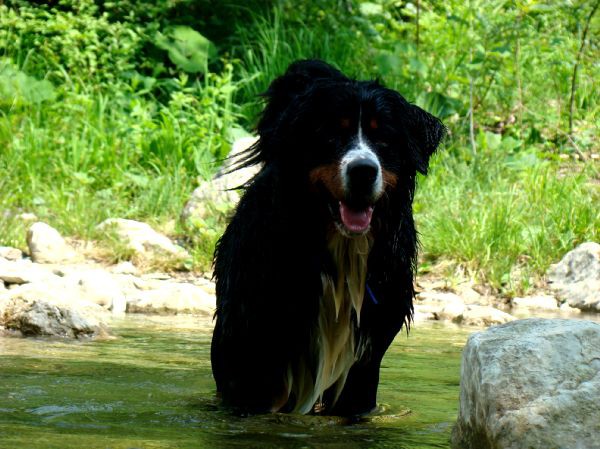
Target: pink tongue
pixel 356 220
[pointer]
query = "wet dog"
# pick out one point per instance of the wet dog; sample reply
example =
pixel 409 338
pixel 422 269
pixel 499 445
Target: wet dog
pixel 315 271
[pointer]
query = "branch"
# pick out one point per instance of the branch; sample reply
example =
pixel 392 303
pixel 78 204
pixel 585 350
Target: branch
pixel 576 66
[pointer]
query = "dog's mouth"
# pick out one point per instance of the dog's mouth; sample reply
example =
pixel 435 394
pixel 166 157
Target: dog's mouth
pixel 356 221
pixel 350 220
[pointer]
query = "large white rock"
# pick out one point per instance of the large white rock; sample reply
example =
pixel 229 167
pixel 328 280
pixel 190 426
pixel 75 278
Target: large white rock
pixel 576 278
pixel 531 383
pixel 142 239
pixel 46 245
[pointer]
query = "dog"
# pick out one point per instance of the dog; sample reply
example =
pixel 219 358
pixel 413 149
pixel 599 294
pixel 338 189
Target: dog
pixel 314 273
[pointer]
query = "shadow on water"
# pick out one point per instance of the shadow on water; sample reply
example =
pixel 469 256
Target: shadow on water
pixel 152 388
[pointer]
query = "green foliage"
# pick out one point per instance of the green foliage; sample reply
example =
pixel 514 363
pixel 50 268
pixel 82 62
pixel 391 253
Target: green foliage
pixel 18 89
pixel 67 46
pixel 188 49
pixel 116 108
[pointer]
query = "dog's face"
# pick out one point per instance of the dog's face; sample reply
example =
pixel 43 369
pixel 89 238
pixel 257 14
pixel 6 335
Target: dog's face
pixel 352 140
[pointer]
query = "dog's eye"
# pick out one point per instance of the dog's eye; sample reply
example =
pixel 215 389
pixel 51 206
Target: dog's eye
pixel 373 124
pixel 345 123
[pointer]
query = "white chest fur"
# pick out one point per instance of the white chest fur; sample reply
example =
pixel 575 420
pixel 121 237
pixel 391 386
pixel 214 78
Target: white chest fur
pixel 334 347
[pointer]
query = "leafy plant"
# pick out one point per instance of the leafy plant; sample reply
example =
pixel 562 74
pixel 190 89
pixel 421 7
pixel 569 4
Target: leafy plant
pixel 188 49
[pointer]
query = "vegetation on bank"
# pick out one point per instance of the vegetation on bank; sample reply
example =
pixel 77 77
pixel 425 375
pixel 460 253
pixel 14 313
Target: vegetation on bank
pixel 119 108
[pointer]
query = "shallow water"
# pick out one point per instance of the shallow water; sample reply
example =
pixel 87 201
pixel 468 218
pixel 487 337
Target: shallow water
pixel 152 388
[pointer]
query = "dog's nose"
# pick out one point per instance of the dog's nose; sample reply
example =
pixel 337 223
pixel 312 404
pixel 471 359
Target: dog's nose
pixel 362 174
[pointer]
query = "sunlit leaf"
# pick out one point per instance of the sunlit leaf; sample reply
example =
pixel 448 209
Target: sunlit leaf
pixel 187 49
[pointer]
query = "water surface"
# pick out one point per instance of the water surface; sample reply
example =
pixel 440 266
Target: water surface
pixel 151 387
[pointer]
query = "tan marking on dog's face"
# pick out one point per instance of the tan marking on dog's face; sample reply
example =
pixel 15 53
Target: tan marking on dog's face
pixel 390 179
pixel 329 176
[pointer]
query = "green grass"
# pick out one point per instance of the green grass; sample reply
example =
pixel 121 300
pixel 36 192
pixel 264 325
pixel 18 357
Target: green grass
pixel 506 217
pixel 271 45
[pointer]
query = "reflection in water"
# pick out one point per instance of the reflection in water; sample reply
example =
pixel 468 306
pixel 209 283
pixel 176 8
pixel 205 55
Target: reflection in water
pixel 152 388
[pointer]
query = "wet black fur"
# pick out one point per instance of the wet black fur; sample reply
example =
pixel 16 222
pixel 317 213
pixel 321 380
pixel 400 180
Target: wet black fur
pixel 269 261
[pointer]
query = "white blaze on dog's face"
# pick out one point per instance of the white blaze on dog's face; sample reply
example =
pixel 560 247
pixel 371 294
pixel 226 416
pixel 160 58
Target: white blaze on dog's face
pixel 362 181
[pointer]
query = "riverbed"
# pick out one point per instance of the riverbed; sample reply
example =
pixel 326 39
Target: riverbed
pixel 151 387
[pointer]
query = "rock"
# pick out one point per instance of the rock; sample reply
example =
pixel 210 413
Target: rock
pixel 27 216
pixel 172 298
pixel 576 278
pixel 41 317
pixel 580 264
pixel 473 315
pixel 471 296
pixel 434 301
pixel 125 268
pixel 2 286
pixel 143 240
pixel 531 383
pixel 102 288
pixel 10 253
pixel 46 245
pixel 216 196
pixel 23 271
pixel 539 302
pixel 565 307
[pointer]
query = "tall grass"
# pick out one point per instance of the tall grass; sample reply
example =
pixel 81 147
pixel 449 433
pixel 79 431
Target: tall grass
pixel 271 44
pixel 506 218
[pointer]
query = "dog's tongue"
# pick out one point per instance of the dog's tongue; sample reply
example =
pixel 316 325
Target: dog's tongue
pixel 356 220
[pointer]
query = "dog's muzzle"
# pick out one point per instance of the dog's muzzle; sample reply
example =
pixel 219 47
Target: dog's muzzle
pixel 362 180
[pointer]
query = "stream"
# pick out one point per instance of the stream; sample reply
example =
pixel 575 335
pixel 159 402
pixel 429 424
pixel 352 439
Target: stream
pixel 151 387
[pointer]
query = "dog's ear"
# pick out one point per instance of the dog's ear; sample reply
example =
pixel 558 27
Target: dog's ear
pixel 285 90
pixel 421 132
pixel 425 134
pixel 299 77
pixel 297 80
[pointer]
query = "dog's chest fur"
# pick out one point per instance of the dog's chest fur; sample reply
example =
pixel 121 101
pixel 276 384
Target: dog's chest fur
pixel 334 347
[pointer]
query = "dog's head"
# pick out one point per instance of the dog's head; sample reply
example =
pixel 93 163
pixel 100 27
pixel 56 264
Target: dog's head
pixel 351 140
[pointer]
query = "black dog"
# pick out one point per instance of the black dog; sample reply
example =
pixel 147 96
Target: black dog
pixel 315 271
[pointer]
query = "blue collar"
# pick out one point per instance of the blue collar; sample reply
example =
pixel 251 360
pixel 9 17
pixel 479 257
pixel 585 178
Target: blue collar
pixel 371 295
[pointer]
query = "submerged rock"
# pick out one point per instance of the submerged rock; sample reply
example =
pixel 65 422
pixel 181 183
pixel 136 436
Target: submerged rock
pixel 46 245
pixel 531 383
pixel 576 278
